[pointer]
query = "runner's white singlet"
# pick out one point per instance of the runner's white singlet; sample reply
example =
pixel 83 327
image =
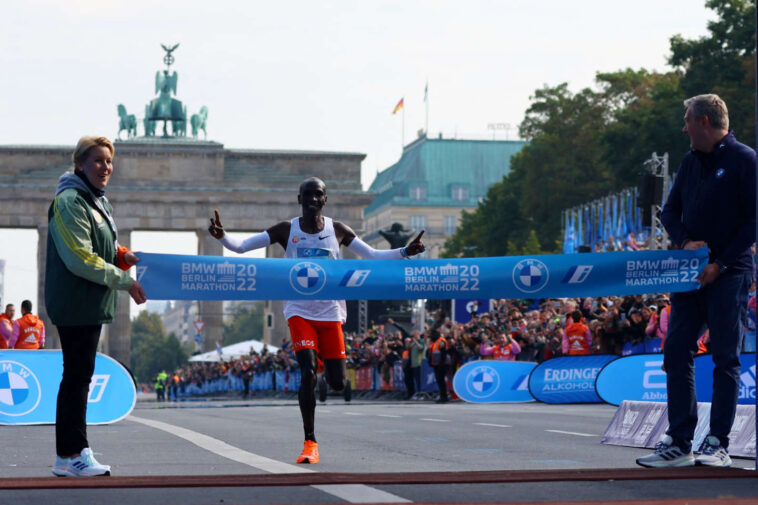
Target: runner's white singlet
pixel 314 246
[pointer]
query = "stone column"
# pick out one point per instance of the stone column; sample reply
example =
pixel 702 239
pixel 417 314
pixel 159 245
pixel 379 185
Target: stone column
pixel 119 342
pixel 210 311
pixel 51 333
pixel 280 331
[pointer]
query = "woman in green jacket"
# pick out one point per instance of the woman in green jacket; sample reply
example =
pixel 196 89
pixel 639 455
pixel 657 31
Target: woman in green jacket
pixel 85 269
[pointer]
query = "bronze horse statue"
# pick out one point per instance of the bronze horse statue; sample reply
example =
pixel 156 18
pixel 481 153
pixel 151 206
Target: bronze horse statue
pixel 198 122
pixel 126 122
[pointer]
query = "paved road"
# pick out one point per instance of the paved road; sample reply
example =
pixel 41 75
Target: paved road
pixel 264 437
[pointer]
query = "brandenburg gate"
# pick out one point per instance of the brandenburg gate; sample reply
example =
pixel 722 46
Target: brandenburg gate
pixel 172 182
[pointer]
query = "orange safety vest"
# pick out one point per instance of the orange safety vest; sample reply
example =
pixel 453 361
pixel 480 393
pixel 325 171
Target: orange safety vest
pixel 576 333
pixel 3 342
pixel 437 349
pixel 31 332
pixel 502 352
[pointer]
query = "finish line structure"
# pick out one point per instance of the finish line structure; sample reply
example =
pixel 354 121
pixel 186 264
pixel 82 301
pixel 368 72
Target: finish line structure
pixel 180 277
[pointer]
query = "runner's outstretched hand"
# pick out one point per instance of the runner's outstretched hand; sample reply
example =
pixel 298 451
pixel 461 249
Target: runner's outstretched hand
pixel 416 246
pixel 216 228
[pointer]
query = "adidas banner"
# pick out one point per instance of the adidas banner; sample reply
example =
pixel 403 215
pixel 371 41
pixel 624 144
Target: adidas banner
pixel 176 277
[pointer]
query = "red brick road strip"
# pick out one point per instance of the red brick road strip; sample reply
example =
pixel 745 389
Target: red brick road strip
pixel 308 479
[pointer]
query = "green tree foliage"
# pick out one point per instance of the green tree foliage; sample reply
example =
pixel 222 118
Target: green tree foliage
pixel 585 145
pixel 153 351
pixel 247 324
pixel 723 62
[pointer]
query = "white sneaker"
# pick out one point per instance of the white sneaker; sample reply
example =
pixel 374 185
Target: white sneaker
pixel 61 467
pixel 85 465
pixel 712 453
pixel 667 454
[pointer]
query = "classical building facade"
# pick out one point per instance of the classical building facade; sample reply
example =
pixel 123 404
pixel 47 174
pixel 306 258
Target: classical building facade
pixel 432 183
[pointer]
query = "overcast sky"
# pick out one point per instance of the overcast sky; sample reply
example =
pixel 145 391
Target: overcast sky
pixel 309 75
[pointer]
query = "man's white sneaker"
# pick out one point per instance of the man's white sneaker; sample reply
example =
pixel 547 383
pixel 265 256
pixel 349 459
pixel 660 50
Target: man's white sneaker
pixel 666 455
pixel 712 453
pixel 84 465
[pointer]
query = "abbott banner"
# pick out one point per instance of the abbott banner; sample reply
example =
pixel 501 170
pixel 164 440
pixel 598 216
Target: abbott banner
pixel 176 277
pixel 29 382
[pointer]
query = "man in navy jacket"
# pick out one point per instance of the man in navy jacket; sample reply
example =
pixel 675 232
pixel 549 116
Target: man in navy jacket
pixel 711 204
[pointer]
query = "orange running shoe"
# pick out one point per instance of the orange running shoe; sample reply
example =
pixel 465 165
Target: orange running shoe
pixel 309 454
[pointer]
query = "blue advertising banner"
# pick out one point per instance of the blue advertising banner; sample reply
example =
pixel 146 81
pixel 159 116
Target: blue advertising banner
pixel 29 382
pixel 640 378
pixel 177 277
pixel 704 378
pixel 462 309
pixel 494 381
pixel 569 379
pixel 636 378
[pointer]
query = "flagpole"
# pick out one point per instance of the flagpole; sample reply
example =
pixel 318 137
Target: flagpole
pixel 402 139
pixel 426 100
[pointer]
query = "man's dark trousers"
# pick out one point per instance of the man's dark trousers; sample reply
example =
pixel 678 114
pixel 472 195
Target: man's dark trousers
pixel 722 308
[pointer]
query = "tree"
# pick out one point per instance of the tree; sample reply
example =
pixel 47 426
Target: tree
pixel 723 62
pixel 246 325
pixel 561 166
pixel 152 350
pixel 646 117
pixel 585 145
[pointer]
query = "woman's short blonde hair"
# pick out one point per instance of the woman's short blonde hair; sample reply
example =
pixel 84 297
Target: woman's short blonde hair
pixel 85 144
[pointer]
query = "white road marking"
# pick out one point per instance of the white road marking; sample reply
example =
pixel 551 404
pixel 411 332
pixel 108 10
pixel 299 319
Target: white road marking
pixel 495 425
pixel 221 448
pixel 386 415
pixel 352 413
pixel 572 433
pixel 353 493
pixel 436 420
pixel 358 493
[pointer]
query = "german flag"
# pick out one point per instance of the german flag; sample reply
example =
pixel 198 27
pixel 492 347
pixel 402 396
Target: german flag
pixel 398 106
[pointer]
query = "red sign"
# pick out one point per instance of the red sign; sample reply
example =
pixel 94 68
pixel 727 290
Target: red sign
pixel 199 325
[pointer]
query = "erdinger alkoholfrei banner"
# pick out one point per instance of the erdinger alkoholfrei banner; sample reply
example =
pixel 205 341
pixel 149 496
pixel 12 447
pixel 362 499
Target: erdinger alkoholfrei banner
pixel 568 379
pixel 177 277
pixel 29 382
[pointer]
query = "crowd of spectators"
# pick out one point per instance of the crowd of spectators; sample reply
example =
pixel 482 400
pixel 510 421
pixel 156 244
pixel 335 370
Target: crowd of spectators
pixel 523 330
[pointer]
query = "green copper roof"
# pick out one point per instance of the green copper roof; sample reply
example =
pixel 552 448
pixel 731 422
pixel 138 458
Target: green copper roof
pixel 431 171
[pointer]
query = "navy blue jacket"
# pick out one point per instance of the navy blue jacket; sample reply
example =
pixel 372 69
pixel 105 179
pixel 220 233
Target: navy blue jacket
pixel 713 199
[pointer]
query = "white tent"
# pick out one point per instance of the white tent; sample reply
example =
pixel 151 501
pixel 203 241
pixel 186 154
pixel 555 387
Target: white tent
pixel 233 351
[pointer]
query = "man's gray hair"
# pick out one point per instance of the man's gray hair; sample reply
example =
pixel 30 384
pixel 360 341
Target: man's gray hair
pixel 712 106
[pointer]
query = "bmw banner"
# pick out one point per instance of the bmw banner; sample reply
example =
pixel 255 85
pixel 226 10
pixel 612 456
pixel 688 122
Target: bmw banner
pixel 29 382
pixel 569 379
pixel 177 277
pixel 704 378
pixel 494 381
pixel 638 377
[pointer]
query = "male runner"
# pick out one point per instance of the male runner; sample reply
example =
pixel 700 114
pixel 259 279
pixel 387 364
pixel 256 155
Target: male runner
pixel 315 325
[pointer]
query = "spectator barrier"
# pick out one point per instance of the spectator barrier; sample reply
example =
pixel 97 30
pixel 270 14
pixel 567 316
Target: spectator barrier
pixel 643 424
pixel 29 382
